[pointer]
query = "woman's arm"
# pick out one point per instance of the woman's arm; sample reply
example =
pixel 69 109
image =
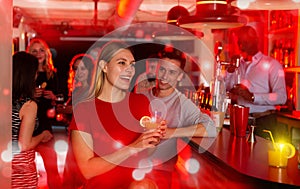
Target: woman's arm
pixel 28 117
pixel 90 166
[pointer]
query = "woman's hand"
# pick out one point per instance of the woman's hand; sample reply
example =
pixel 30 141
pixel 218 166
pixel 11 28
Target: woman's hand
pixel 148 139
pixel 38 92
pixel 49 95
pixel 46 136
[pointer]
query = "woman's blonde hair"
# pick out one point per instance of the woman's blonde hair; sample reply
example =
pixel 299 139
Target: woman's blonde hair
pixel 48 61
pixel 108 51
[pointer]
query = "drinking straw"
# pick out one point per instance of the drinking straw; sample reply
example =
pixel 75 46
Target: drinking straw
pixel 273 142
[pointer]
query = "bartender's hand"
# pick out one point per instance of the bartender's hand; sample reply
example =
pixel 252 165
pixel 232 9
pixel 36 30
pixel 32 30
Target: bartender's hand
pixel 242 91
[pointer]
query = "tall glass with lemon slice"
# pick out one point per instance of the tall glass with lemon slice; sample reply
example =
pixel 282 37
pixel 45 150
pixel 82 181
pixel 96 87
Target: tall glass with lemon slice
pixel 279 156
pixel 150 123
pixel 279 153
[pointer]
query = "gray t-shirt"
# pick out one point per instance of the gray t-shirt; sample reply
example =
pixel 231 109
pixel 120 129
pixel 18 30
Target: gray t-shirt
pixel 178 111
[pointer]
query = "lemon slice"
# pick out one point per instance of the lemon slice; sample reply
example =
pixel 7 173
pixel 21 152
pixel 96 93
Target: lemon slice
pixel 144 119
pixel 288 150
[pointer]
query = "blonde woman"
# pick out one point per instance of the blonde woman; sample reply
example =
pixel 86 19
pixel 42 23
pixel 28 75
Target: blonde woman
pixel 45 92
pixel 106 138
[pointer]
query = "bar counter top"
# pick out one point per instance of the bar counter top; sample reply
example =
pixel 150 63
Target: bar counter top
pixel 236 156
pixel 295 116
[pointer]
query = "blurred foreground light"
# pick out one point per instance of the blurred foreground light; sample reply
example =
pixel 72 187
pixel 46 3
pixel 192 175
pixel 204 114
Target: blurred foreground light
pixel 59 117
pixel 192 166
pixel 61 146
pixel 6 156
pixel 5 91
pixel 138 174
pixel 118 144
pixel 51 113
pixel 243 4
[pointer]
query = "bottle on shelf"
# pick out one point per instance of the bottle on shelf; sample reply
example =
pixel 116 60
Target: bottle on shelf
pixel 214 104
pixel 275 49
pixel 273 22
pixel 218 102
pixel 286 58
pixel 280 52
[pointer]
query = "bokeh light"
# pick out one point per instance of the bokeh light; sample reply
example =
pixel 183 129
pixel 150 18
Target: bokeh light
pixel 59 117
pixel 51 113
pixel 6 155
pixel 266 66
pixel 118 145
pixel 138 174
pixel 61 146
pixel 6 92
pixel 192 166
pixel 243 4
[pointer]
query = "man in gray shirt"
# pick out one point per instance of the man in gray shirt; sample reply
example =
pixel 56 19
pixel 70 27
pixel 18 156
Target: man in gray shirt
pixel 183 117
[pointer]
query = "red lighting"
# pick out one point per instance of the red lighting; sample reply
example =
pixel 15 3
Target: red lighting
pixel 127 8
pixel 51 113
pixel 59 117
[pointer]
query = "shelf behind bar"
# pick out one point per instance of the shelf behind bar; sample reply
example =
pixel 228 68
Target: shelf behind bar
pixel 292 69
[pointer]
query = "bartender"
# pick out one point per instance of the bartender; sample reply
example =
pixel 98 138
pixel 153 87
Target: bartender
pixel 262 84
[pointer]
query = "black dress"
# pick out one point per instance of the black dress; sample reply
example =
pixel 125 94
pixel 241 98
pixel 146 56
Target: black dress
pixel 45 123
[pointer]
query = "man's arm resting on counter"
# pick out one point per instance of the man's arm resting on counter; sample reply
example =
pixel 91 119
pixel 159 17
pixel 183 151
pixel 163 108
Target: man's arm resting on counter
pixel 197 130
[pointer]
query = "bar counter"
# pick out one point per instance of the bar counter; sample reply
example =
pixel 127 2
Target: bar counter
pixel 232 162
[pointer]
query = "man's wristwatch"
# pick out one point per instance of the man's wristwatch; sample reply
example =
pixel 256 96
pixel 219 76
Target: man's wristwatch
pixel 252 98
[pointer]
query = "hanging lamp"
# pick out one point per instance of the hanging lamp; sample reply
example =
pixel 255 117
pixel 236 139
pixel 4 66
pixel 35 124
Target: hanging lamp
pixel 216 14
pixel 173 32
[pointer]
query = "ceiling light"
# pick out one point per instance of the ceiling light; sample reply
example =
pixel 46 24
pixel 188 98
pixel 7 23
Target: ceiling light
pixel 175 13
pixel 214 15
pixel 173 32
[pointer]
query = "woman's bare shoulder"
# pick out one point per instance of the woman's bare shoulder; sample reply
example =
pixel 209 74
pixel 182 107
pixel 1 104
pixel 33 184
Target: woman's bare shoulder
pixel 28 107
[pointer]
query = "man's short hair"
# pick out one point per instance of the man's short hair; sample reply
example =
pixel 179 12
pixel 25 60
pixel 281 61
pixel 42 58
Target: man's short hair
pixel 173 53
pixel 153 58
pixel 248 40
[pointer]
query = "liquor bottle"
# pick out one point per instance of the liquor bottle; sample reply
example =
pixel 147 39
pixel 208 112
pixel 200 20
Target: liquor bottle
pixel 218 94
pixel 214 104
pixel 280 52
pixel 275 50
pixel 219 89
pixel 273 24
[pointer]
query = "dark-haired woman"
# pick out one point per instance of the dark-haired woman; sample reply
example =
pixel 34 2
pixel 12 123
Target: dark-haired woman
pixel 24 121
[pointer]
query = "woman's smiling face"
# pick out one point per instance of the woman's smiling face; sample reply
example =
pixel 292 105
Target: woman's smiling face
pixel 120 70
pixel 82 73
pixel 39 51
